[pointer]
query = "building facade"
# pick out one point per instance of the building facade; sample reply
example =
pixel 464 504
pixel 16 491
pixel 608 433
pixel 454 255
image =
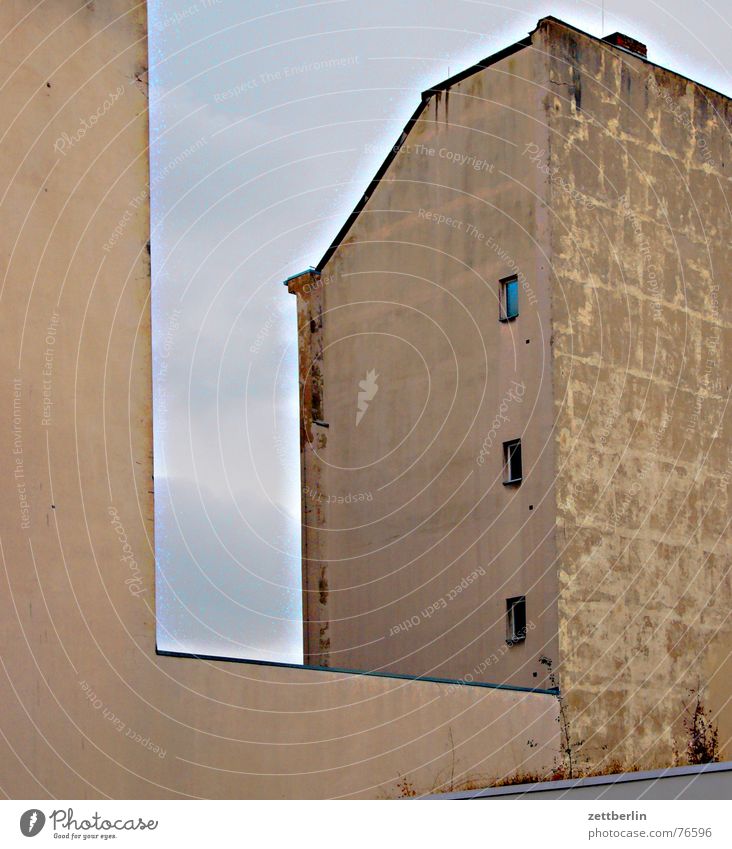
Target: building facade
pixel 88 709
pixel 514 378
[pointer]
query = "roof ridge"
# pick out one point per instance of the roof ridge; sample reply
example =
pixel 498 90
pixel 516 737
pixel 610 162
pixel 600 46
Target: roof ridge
pixel 394 150
pixel 456 78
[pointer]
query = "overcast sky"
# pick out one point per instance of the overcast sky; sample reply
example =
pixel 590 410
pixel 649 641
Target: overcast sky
pixel 267 121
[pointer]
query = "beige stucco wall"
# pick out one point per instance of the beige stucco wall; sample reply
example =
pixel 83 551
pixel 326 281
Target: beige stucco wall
pixel 412 543
pixel 86 707
pixel 642 315
pixel 633 483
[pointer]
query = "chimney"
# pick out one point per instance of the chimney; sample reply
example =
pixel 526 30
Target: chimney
pixel 628 43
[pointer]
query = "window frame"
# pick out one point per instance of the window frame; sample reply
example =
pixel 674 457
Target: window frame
pixel 515 635
pixel 508 460
pixel 503 300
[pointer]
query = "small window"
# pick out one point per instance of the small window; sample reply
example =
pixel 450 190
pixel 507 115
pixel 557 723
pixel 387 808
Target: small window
pixel 508 299
pixel 516 619
pixel 512 472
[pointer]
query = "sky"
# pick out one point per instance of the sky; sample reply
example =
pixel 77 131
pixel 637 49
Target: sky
pixel 267 120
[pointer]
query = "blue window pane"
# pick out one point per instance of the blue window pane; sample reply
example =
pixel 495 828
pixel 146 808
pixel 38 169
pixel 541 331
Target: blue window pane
pixel 511 299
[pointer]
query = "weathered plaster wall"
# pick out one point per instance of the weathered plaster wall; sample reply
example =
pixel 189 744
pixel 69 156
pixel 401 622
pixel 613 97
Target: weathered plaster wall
pixel 416 539
pixel 642 312
pixel 309 291
pixel 86 707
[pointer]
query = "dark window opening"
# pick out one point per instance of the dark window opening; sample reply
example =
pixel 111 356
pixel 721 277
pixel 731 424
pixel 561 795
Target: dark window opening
pixel 508 299
pixel 516 619
pixel 512 472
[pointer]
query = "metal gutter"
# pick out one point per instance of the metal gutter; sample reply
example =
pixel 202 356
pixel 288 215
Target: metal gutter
pixel 298 274
pixel 427 678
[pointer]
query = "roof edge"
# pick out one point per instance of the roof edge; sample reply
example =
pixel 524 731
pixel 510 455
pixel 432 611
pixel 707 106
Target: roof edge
pixel 426 95
pixel 456 78
pixel 504 53
pixel 368 673
pixel 608 45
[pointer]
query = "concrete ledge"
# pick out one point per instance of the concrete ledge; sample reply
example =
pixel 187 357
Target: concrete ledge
pixel 372 673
